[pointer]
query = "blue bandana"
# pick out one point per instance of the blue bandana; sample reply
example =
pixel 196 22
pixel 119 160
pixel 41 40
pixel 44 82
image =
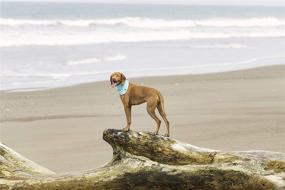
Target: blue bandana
pixel 123 88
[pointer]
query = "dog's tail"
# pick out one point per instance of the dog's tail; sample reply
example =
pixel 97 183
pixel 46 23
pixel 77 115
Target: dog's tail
pixel 161 103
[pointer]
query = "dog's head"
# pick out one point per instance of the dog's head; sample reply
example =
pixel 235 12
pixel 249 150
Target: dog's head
pixel 117 78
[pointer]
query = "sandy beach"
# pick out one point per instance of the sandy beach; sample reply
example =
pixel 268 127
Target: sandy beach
pixel 61 128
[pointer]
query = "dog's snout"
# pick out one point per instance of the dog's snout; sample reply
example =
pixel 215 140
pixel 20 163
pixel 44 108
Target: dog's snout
pixel 113 82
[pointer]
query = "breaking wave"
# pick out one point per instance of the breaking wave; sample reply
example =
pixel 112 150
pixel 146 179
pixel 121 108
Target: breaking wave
pixel 20 32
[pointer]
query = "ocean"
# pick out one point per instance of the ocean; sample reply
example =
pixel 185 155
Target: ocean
pixel 46 45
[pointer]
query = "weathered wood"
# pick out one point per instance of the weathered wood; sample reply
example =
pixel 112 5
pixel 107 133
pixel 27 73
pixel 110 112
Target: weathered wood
pixel 147 161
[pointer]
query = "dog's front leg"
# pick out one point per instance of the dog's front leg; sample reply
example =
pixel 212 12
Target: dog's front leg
pixel 127 109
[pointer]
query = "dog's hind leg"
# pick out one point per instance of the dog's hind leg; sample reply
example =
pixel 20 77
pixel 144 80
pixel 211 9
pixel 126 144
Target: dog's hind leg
pixel 151 105
pixel 163 115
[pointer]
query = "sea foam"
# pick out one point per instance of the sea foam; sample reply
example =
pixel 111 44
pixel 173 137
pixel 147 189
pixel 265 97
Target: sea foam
pixel 145 22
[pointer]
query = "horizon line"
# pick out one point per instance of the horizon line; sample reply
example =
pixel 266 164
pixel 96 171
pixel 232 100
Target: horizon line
pixel 148 3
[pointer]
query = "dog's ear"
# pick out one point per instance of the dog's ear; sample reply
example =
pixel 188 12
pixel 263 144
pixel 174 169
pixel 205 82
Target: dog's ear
pixel 111 81
pixel 123 77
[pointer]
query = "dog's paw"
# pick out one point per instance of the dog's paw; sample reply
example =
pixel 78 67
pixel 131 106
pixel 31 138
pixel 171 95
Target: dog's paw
pixel 166 135
pixel 126 129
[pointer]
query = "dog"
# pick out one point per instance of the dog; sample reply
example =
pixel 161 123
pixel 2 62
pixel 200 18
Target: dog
pixel 132 94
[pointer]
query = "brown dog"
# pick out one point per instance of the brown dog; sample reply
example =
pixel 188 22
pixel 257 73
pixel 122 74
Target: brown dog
pixel 132 94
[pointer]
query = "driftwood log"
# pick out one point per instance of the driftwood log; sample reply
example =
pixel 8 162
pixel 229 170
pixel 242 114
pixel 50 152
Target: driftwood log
pixel 146 161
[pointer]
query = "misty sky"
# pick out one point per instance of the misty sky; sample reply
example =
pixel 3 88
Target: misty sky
pixel 195 2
